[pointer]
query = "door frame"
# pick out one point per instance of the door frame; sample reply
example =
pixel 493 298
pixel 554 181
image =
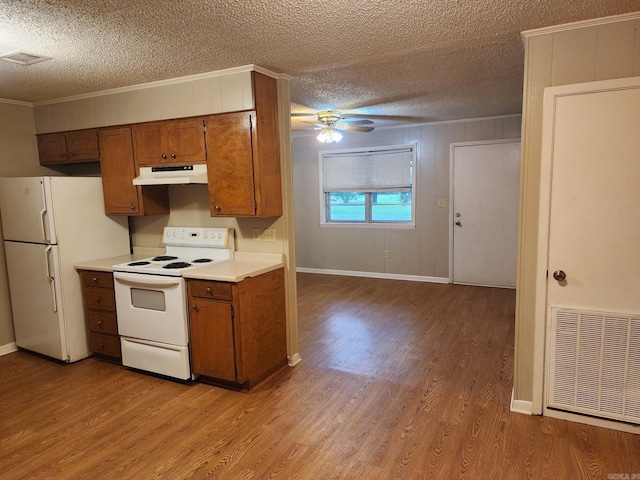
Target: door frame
pixel 544 213
pixel 451 213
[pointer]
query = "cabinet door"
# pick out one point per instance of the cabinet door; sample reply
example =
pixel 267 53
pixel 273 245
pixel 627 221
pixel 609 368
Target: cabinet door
pixel 82 146
pixel 184 140
pixel 118 171
pixel 212 345
pixel 52 149
pixel 230 164
pixel 147 144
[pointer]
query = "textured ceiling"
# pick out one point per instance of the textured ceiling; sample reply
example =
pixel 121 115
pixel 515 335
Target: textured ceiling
pixel 421 59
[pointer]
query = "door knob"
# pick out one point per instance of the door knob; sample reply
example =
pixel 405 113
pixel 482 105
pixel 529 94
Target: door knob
pixel 559 275
pixel 458 223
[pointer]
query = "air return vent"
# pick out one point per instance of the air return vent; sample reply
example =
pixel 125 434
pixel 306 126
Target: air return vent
pixel 23 58
pixel 595 364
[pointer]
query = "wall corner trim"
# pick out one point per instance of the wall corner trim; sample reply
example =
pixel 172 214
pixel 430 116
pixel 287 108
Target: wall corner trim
pixel 8 348
pixel 294 359
pixel 520 406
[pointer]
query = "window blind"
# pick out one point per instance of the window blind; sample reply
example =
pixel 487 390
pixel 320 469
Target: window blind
pixel 368 170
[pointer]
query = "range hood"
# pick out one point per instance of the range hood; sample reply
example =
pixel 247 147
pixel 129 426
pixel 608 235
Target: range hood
pixel 172 175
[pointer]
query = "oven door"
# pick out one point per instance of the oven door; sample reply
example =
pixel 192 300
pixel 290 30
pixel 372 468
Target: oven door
pixel 151 307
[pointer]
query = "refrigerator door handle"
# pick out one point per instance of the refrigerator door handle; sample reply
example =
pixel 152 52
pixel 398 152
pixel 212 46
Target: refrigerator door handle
pixel 51 278
pixel 43 212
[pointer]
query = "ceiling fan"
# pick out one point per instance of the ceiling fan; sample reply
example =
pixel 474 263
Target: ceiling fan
pixel 329 122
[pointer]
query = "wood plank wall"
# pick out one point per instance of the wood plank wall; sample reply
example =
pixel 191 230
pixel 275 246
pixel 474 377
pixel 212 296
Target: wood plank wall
pixel 423 251
pixel 583 52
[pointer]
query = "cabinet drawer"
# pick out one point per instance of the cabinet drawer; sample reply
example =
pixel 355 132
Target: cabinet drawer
pixel 102 322
pixel 218 290
pixel 105 344
pixel 100 299
pixel 97 279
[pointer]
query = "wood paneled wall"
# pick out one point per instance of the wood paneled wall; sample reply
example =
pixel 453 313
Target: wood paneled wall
pixel 600 49
pixel 422 251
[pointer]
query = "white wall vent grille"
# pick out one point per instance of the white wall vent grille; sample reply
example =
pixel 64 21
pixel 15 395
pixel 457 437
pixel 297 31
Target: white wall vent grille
pixel 594 364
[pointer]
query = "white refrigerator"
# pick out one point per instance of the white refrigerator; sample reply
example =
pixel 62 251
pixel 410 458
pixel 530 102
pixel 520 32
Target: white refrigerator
pixel 50 224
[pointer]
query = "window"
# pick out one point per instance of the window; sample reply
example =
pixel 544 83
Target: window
pixel 372 186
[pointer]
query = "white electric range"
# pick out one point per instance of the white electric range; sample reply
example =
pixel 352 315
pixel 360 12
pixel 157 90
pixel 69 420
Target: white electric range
pixel 151 299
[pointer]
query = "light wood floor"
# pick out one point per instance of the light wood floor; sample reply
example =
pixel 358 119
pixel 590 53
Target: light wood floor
pixel 398 380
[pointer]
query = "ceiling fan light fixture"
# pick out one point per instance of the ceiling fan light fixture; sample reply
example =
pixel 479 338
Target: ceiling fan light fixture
pixel 329 135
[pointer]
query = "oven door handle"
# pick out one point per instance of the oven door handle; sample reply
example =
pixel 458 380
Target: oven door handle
pixel 146 280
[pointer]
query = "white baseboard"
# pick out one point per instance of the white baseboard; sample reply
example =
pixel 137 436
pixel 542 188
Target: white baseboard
pixel 8 348
pixel 521 406
pixel 389 276
pixel 294 359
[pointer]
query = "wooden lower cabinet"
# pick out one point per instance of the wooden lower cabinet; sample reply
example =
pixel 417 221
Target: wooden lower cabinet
pixel 238 330
pixel 100 314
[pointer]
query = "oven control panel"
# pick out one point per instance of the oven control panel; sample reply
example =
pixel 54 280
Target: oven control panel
pixel 198 237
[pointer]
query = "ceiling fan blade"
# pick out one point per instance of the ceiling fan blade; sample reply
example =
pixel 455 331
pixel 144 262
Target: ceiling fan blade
pixel 399 118
pixel 355 121
pixel 354 128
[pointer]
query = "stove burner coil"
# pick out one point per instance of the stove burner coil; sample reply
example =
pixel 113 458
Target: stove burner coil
pixel 138 264
pixel 177 265
pixel 163 258
pixel 201 260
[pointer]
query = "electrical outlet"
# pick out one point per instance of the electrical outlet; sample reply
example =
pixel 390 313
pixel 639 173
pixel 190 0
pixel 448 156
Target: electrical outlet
pixel 386 254
pixel 442 203
pixel 256 233
pixel 270 234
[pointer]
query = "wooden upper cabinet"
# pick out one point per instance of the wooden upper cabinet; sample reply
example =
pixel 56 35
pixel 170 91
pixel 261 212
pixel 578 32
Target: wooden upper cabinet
pixel 230 167
pixel 121 196
pixel 244 157
pixel 68 147
pixel 174 142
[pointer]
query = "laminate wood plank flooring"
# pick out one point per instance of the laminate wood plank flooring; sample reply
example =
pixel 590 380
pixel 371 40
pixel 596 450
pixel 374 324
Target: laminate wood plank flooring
pixel 398 380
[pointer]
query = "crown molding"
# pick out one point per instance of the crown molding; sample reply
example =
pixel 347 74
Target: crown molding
pixel 169 81
pixel 581 24
pixel 16 102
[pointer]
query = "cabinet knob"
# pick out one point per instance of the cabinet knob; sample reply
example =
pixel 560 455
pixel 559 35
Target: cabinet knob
pixel 97 299
pixel 164 155
pixel 94 279
pixel 195 307
pixel 71 154
pixel 100 322
pixel 217 208
pixel 102 345
pixel 61 155
pixel 208 290
pixel 133 207
pixel 173 155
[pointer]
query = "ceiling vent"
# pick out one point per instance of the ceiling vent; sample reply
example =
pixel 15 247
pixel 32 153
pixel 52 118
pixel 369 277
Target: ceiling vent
pixel 23 58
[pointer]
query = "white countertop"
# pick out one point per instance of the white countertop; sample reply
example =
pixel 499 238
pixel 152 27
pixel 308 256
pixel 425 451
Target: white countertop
pixel 106 264
pixel 244 265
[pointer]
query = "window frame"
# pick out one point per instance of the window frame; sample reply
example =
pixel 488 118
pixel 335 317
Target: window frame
pixel 368 205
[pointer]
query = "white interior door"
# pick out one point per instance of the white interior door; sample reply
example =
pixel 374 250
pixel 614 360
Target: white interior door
pixel 486 184
pixel 593 283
